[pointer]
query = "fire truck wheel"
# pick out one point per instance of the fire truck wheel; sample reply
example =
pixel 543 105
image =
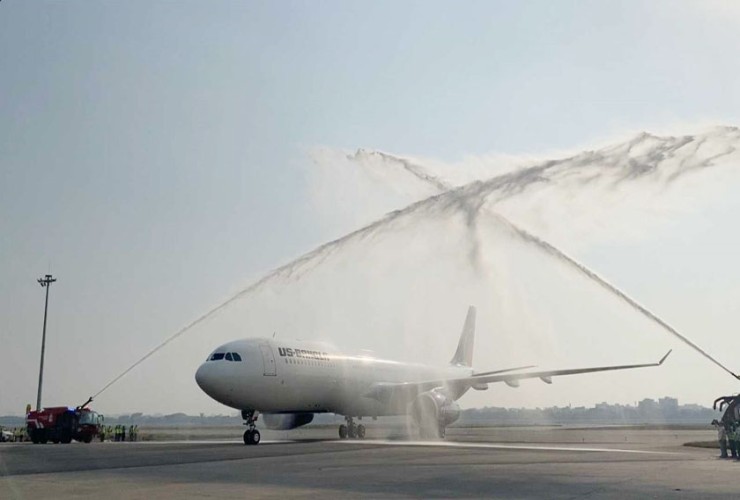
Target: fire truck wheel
pixel 43 439
pixel 87 439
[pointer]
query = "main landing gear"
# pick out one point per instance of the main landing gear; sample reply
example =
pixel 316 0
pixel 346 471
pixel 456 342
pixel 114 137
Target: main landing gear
pixel 351 430
pixel 251 435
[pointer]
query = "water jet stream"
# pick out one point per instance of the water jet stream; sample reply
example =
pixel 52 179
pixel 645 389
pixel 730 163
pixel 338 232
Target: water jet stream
pixel 559 254
pixel 470 198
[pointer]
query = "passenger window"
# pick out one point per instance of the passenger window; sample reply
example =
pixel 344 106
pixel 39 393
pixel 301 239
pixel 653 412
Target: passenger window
pixel 228 357
pixel 236 356
pixel 217 356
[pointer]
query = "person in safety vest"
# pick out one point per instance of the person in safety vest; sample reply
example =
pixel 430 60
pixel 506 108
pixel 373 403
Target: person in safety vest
pixel 731 444
pixel 721 438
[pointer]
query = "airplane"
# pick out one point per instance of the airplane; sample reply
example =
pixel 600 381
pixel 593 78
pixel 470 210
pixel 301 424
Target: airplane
pixel 289 381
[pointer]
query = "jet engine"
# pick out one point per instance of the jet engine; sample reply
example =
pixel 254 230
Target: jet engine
pixel 433 411
pixel 286 421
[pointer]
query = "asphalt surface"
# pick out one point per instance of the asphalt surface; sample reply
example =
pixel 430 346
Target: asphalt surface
pixel 554 464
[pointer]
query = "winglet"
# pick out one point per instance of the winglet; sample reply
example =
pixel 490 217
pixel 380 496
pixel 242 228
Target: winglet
pixel 665 357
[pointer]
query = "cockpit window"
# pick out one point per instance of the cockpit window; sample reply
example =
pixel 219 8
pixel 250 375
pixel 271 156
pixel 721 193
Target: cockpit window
pixel 228 356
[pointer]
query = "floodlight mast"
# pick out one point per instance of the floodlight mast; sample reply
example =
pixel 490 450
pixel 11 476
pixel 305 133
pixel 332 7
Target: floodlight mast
pixel 45 282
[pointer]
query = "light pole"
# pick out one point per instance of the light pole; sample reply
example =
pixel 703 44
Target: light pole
pixel 45 282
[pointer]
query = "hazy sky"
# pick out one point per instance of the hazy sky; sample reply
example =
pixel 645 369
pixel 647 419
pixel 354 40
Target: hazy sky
pixel 155 155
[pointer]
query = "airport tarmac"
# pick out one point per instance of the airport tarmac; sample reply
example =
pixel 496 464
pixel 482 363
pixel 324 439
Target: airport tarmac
pixel 472 463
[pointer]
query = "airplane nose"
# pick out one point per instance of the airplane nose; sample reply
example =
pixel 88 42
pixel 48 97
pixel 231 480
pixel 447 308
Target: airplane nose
pixel 212 380
pixel 202 379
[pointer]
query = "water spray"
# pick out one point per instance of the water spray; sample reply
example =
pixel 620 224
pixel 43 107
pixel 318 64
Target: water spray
pixel 292 270
pixel 553 251
pixel 472 204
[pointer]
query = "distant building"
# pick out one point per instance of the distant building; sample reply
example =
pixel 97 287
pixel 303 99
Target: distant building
pixel 668 404
pixel 647 406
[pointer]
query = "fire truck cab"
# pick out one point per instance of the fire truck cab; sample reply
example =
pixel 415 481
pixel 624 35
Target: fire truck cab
pixel 62 424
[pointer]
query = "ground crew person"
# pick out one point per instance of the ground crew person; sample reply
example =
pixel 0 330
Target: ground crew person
pixel 123 433
pixel 131 433
pixel 721 438
pixel 118 433
pixel 731 438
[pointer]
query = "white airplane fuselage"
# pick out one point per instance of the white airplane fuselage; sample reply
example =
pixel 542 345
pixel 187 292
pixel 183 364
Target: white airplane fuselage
pixel 289 381
pixel 277 376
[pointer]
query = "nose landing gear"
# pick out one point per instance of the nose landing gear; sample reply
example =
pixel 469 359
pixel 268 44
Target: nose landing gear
pixel 351 430
pixel 251 435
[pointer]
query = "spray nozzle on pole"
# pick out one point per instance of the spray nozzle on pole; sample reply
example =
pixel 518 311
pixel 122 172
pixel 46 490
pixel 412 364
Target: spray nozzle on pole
pixel 82 406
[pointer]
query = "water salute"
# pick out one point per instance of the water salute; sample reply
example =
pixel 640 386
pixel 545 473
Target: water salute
pixel 369 249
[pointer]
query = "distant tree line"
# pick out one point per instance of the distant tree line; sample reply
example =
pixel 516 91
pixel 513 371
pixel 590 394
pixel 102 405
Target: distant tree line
pixel 648 411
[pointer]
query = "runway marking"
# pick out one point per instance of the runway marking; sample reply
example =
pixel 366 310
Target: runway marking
pixel 385 442
pixel 459 444
pixel 211 441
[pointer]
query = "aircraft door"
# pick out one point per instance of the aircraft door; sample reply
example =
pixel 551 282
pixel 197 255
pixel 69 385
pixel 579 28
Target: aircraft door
pixel 268 360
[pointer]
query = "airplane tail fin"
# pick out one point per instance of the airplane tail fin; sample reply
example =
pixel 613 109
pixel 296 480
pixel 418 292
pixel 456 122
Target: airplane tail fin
pixel 464 354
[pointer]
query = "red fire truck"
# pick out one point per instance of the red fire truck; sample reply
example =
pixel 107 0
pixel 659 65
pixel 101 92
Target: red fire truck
pixel 62 424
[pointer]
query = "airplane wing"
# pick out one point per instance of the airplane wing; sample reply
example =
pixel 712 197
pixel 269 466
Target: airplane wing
pixel 385 391
pixel 503 371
